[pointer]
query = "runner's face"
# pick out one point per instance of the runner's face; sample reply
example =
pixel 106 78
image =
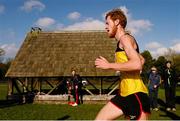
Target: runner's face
pixel 110 28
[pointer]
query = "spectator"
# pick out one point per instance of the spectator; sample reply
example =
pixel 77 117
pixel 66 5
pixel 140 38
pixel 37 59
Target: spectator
pixel 153 84
pixel 76 83
pixel 169 79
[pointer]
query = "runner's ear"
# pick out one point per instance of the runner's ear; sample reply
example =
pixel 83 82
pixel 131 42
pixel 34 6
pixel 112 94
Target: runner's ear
pixel 116 22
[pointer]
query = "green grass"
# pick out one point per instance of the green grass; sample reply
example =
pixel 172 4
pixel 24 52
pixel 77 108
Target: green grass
pixel 63 111
pixel 3 91
pixel 49 112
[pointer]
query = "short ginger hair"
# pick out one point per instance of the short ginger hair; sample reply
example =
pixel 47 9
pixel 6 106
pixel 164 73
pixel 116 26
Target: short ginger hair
pixel 117 14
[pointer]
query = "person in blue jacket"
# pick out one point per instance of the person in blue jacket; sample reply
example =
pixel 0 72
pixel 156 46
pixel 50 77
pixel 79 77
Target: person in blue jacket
pixel 153 84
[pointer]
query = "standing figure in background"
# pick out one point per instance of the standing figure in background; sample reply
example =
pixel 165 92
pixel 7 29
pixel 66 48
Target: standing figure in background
pixel 153 84
pixel 169 78
pixel 76 83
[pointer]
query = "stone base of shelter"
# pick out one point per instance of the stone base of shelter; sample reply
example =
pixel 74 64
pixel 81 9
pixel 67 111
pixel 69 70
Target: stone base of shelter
pixel 57 99
pixel 63 99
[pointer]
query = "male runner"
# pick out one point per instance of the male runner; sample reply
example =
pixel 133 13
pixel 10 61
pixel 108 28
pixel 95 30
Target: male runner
pixel 132 100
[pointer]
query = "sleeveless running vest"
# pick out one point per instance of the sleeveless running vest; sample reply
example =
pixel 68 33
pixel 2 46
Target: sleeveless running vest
pixel 130 82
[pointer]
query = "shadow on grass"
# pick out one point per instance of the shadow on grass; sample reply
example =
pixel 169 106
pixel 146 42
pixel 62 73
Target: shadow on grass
pixel 8 103
pixel 178 99
pixel 17 99
pixel 161 103
pixel 168 113
pixel 64 117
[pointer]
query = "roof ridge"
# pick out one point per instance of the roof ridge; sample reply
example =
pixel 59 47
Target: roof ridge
pixel 72 31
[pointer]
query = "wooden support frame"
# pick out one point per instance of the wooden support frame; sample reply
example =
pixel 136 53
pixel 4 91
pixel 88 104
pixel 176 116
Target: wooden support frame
pixel 34 85
pixel 54 87
pixel 113 89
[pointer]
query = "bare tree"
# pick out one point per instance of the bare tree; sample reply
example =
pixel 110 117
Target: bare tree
pixel 175 58
pixel 2 52
pixel 170 54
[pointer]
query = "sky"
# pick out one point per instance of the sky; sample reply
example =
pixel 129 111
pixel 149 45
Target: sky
pixel 154 23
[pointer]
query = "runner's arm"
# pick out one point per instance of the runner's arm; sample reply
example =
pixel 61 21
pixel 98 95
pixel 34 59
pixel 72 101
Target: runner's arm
pixel 134 62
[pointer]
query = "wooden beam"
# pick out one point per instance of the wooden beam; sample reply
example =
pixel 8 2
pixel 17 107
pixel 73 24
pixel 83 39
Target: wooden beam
pixel 112 84
pixel 10 87
pixel 113 89
pixel 88 91
pixel 23 85
pixel 49 83
pixel 54 87
pixel 16 86
pixel 91 84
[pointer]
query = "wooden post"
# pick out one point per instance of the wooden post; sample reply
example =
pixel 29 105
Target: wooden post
pixel 101 88
pixel 26 84
pixel 39 85
pixel 10 87
pixel 35 84
pixel 32 83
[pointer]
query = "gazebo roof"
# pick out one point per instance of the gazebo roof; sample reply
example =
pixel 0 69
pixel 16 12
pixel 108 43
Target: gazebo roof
pixel 53 54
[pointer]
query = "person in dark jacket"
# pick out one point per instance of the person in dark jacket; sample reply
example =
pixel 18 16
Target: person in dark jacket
pixel 169 78
pixel 153 85
pixel 76 83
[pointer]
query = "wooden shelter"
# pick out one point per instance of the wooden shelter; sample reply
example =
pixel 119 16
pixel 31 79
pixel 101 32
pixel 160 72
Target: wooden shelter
pixel 49 56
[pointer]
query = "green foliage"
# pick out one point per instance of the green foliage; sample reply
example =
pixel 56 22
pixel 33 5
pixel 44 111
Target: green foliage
pixel 4 67
pixel 175 58
pixel 2 71
pixel 160 63
pixel 176 61
pixel 2 52
pixel 148 60
pixel 147 65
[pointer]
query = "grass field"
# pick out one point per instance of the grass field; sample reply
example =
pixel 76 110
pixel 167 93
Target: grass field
pixel 13 111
